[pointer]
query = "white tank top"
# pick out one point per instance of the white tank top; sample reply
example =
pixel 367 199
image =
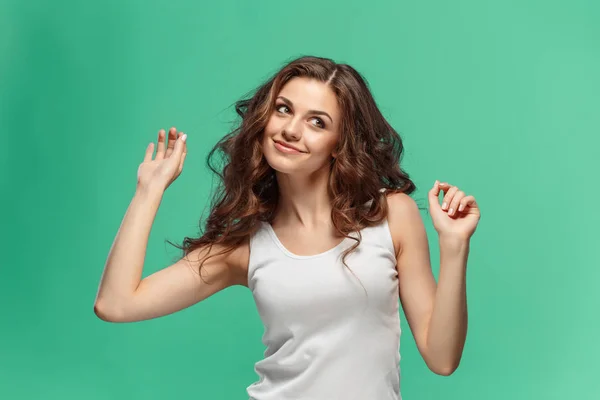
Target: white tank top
pixel 325 338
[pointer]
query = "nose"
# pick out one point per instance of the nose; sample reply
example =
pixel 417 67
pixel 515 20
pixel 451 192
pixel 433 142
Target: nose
pixel 291 131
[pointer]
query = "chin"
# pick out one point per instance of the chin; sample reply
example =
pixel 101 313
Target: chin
pixel 283 164
pixel 291 166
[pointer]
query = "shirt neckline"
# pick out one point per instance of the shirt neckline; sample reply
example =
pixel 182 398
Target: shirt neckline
pixel 297 256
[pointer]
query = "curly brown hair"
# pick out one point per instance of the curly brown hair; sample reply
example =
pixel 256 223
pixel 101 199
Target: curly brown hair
pixel 368 156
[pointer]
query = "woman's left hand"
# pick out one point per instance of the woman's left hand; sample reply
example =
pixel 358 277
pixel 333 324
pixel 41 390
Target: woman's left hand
pixel 458 215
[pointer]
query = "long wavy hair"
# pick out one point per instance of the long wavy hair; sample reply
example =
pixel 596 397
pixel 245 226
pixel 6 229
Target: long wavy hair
pixel 367 160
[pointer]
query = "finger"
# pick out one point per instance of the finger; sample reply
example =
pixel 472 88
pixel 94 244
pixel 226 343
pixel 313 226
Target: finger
pixel 434 192
pixel 149 151
pixel 455 203
pixel 448 197
pixel 178 149
pixel 466 202
pixel 179 135
pixel 184 154
pixel 171 142
pixel 160 150
pixel 444 186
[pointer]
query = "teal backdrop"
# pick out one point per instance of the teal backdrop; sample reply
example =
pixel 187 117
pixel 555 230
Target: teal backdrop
pixel 498 97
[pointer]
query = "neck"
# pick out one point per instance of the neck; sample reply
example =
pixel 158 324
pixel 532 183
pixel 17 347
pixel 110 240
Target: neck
pixel 304 200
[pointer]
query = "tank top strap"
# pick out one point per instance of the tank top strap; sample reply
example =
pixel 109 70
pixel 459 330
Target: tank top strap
pixel 381 233
pixel 261 248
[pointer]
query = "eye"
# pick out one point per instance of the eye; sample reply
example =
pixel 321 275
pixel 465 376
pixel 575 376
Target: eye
pixel 279 108
pixel 320 122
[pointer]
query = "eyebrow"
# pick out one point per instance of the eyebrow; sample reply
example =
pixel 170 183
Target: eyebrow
pixel 317 112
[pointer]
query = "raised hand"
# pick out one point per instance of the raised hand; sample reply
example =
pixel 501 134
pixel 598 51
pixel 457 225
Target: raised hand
pixel 167 164
pixel 458 215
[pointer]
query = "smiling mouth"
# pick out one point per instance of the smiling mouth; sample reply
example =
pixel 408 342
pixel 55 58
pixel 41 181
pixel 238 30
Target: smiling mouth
pixel 282 147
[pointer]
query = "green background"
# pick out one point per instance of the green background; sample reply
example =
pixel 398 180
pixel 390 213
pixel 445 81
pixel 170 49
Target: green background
pixel 500 98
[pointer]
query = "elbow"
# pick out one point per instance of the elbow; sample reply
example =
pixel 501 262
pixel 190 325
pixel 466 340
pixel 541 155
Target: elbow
pixel 442 363
pixel 442 367
pixel 107 314
pixel 447 371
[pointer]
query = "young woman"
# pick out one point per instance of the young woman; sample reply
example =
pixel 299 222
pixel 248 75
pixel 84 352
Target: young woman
pixel 314 217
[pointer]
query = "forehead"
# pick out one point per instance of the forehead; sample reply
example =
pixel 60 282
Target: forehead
pixel 308 93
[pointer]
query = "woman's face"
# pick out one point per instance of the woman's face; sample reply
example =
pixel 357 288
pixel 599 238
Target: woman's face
pixel 303 130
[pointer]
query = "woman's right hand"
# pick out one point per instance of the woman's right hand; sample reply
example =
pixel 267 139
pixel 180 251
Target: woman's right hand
pixel 167 164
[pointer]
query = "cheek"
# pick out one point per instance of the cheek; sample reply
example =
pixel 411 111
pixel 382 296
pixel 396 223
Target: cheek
pixel 268 132
pixel 273 126
pixel 321 145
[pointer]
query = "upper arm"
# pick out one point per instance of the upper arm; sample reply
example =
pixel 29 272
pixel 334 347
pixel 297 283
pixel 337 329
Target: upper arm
pixel 179 285
pixel 416 282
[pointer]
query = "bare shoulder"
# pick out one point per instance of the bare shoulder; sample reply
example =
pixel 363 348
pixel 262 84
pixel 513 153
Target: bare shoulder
pixel 404 218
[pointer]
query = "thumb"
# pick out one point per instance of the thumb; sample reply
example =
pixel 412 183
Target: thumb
pixel 434 192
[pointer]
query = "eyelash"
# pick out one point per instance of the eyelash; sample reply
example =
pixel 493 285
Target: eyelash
pixel 278 106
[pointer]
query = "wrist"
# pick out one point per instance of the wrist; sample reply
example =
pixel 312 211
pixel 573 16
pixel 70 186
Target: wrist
pixel 152 190
pixel 454 242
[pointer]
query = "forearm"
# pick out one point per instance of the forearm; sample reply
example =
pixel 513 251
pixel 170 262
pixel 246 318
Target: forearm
pixel 123 269
pixel 448 324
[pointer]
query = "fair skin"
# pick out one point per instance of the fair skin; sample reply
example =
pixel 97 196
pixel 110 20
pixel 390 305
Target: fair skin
pixel 306 117
pixel 303 220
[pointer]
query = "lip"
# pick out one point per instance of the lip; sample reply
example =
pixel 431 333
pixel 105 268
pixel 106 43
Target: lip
pixel 287 148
